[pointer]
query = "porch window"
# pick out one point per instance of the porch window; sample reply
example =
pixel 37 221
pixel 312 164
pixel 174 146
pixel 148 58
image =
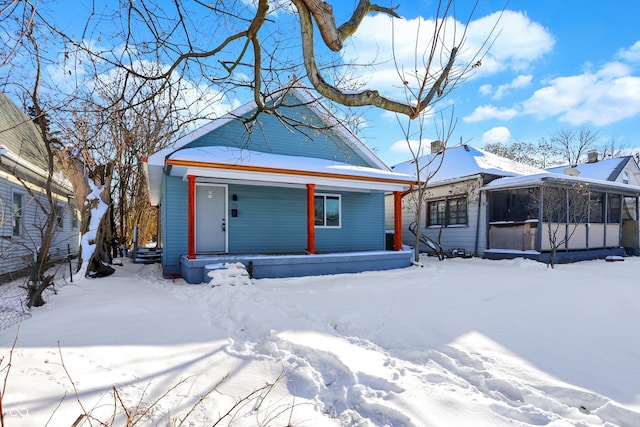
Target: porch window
pixel 629 208
pixel 514 205
pixel 445 212
pixel 327 210
pixel 17 214
pixel 596 208
pixel 614 202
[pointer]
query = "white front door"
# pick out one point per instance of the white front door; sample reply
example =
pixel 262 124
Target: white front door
pixel 211 219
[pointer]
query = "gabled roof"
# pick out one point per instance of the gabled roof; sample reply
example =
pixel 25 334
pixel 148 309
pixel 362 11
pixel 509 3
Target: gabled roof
pixel 305 97
pixel 19 135
pixel 606 169
pixel 22 150
pixel 461 162
pixel 205 155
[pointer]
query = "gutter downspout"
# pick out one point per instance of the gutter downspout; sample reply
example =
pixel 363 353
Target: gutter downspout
pixel 478 222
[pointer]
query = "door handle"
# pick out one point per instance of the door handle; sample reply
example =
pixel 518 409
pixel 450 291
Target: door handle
pixel 224 225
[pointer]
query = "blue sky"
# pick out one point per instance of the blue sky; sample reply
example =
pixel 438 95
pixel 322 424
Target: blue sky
pixel 555 65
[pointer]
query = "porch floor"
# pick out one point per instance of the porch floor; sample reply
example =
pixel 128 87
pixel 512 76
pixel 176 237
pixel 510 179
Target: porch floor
pixel 262 266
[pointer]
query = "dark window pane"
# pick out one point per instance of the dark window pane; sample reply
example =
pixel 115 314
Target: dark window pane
pixel 319 210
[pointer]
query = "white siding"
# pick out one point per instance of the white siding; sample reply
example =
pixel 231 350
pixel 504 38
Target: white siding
pixel 468 237
pixel 16 252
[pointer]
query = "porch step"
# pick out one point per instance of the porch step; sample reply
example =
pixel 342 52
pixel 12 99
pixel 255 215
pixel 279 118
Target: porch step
pixel 147 255
pixel 219 274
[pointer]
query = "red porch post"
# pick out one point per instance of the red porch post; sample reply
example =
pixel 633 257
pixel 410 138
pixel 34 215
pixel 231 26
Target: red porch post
pixel 311 220
pixel 397 220
pixel 191 218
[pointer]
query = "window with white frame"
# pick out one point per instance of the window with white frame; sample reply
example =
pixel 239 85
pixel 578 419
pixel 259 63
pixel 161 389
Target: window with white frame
pixel 327 210
pixel 17 214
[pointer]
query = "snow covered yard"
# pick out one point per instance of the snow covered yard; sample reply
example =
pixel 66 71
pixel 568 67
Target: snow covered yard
pixel 456 343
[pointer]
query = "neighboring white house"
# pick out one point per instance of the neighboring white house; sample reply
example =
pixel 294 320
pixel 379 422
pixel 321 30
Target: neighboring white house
pixel 623 169
pixel 23 172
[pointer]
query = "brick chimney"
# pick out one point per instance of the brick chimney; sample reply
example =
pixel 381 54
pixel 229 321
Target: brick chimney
pixel 436 146
pixel 592 156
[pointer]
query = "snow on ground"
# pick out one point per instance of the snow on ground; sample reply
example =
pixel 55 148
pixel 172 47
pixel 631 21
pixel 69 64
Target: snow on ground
pixel 459 342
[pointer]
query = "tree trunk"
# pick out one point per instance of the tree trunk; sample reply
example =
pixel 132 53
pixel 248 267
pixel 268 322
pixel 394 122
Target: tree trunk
pixel 93 195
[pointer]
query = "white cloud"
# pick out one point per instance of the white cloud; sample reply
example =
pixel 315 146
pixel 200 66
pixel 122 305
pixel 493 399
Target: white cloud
pixel 485 112
pixel 606 96
pixel 486 89
pixel 417 147
pixel 631 54
pixel 496 134
pixel 520 42
pixel 519 82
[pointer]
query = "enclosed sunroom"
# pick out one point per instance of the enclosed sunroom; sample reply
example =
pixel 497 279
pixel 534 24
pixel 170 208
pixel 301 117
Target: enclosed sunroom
pixel 570 217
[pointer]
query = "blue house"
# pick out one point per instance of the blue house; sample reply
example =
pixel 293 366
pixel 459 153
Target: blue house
pixel 286 195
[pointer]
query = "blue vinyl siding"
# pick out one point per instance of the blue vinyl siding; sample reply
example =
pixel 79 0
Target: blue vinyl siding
pixel 174 208
pixel 270 220
pixel 282 139
pixel 362 224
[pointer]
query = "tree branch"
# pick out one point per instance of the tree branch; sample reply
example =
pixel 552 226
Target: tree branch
pixel 365 97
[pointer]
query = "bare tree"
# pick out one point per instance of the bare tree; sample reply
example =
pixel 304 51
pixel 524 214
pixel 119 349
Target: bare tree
pixel 255 52
pixel 563 209
pixel 542 154
pixel 13 15
pixel 425 167
pixel 226 46
pixel 574 144
pixel 612 149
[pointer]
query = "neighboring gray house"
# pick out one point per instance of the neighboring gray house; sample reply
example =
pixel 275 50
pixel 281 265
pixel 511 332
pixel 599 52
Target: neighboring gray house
pixel 454 212
pixel 23 172
pixel 485 205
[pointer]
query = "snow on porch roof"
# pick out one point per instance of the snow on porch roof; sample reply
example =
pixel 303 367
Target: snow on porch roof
pixel 537 179
pixel 245 165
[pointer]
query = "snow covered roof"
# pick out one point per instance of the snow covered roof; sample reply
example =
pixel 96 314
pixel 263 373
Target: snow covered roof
pixel 559 179
pixel 22 145
pixel 606 169
pixel 239 165
pixel 463 161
